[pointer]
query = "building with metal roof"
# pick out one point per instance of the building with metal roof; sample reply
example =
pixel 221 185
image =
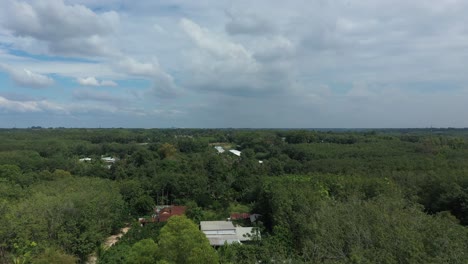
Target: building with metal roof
pixel 221 232
pixel 219 149
pixel 235 152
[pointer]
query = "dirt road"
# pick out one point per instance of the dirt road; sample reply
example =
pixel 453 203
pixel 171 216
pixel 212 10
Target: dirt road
pixel 110 241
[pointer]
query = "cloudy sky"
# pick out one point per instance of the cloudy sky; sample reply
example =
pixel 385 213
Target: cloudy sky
pixel 216 63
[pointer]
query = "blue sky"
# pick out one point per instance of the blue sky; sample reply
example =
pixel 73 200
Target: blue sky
pixel 215 63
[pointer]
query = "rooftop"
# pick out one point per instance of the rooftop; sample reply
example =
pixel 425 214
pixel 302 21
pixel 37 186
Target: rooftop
pixel 221 239
pixel 219 149
pixel 216 225
pixel 235 152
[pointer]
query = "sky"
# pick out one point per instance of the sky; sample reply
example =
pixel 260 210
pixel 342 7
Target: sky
pixel 217 63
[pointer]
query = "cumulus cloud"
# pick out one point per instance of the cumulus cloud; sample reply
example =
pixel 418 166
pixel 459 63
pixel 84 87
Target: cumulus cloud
pixel 217 58
pixel 92 81
pixel 227 59
pixel 217 46
pixel 7 105
pixel 108 83
pixel 66 29
pixel 163 83
pixel 27 78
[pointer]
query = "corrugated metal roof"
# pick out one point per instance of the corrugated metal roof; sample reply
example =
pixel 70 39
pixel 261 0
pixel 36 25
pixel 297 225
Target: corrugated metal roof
pixel 235 152
pixel 244 233
pixel 219 240
pixel 219 149
pixel 216 225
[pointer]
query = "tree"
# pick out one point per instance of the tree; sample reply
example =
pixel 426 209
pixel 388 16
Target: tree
pixel 180 241
pixel 54 256
pixel 167 150
pixel 143 252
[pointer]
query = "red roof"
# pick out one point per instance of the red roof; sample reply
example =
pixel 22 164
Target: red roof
pixel 167 212
pixel 236 216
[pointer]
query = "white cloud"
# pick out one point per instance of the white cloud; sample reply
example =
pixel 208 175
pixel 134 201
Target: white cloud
pixel 27 78
pixel 92 81
pixel 217 46
pixel 108 83
pixel 282 60
pixel 7 105
pixel 163 82
pixel 89 81
pixel 66 29
pixel 220 64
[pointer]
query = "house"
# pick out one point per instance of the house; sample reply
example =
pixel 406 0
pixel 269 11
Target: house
pixel 221 232
pixel 219 149
pixel 238 216
pixel 108 159
pixel 85 159
pixel 163 214
pixel 243 216
pixel 235 152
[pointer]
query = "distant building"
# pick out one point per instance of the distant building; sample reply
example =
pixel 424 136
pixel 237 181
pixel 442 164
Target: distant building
pixel 108 159
pixel 238 216
pixel 163 213
pixel 219 149
pixel 243 216
pixel 85 159
pixel 235 152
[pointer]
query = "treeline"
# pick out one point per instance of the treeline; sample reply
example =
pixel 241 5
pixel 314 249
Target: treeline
pixel 55 215
pixel 384 196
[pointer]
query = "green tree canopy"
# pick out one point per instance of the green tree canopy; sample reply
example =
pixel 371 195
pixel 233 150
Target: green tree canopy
pixel 143 252
pixel 181 241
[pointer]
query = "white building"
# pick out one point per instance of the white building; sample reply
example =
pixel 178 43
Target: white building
pixel 235 152
pixel 221 232
pixel 219 149
pixel 108 159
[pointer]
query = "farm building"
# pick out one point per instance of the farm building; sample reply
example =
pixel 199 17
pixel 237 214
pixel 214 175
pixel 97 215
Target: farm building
pixel 221 232
pixel 235 152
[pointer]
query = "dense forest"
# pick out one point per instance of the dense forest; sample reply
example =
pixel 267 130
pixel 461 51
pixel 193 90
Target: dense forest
pixel 339 196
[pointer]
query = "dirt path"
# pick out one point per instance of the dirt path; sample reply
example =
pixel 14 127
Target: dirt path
pixel 110 241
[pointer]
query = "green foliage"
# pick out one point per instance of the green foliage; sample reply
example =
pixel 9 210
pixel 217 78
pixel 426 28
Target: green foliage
pixel 119 252
pixel 167 150
pixel 143 252
pixel 380 196
pixel 181 241
pixel 73 213
pixel 381 231
pixel 54 256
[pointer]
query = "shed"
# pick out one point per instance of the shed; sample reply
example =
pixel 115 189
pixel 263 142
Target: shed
pixel 219 232
pixel 235 152
pixel 219 149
